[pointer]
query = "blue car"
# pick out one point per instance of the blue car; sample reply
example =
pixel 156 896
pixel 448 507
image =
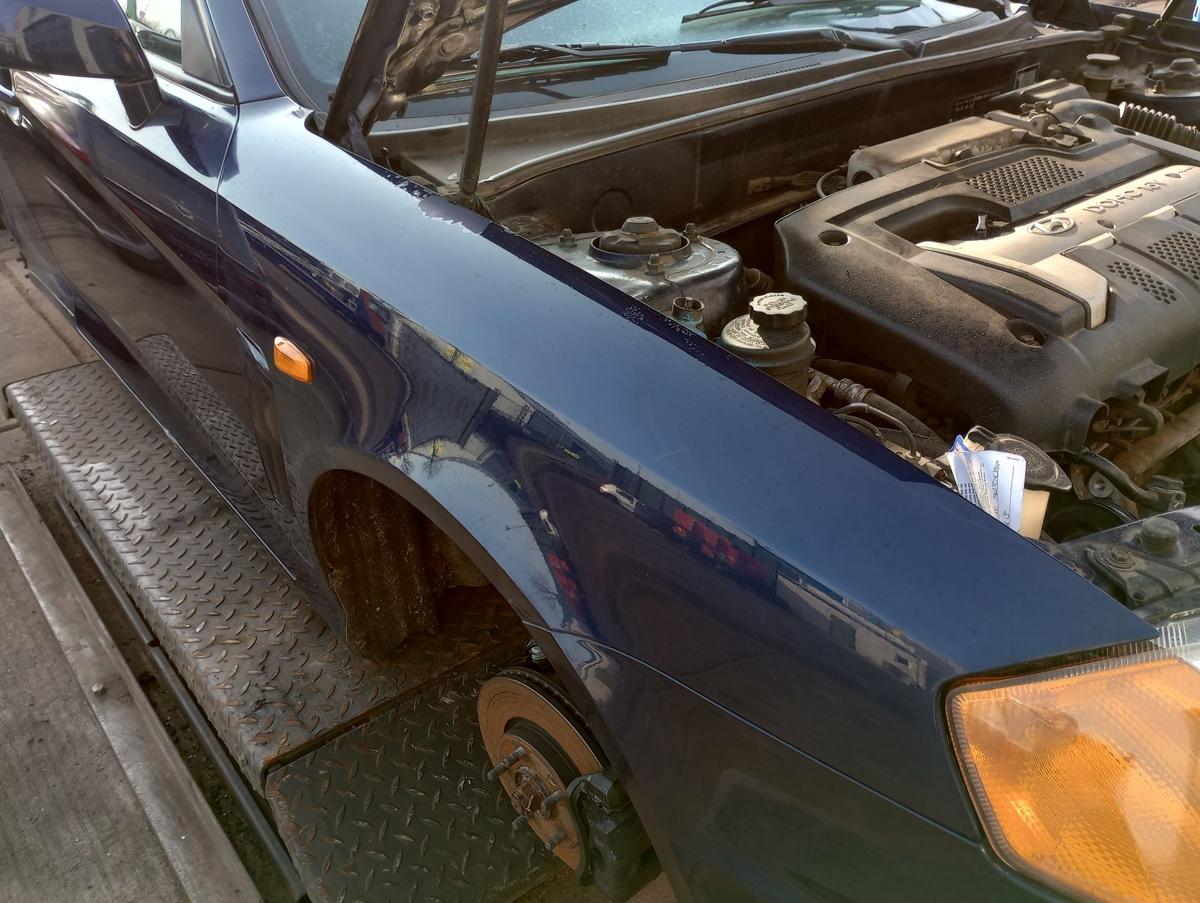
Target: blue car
pixel 817 381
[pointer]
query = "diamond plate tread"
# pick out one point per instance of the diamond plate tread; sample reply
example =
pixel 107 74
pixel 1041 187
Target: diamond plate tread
pixel 271 676
pixel 202 405
pixel 400 808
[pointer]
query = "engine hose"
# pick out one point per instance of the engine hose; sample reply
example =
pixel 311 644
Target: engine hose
pixel 757 282
pixel 1072 110
pixel 848 392
pixel 1145 120
pixel 864 408
pixel 871 377
pixel 1160 125
pixel 892 386
pixel 1118 478
pixel 1146 454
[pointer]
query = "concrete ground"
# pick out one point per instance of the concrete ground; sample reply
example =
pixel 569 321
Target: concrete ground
pixel 98 804
pixel 73 827
pixel 35 337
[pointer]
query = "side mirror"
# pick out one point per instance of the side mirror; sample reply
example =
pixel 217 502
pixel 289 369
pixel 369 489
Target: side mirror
pixel 90 38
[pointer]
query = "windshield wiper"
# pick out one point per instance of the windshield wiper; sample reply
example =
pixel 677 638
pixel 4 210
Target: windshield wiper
pixel 728 7
pixel 551 53
pixel 731 7
pixel 807 40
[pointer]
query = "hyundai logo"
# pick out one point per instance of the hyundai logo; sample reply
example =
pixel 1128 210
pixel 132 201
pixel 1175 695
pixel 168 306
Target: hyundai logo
pixel 1053 225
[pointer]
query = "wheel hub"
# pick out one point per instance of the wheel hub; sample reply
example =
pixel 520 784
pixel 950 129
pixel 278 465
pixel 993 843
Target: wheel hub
pixel 538 745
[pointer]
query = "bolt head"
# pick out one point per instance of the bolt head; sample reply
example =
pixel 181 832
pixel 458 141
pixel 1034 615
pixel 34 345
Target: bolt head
pixel 1099 487
pixel 1120 558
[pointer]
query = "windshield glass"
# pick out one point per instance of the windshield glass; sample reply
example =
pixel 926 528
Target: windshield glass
pixel 315 35
pixel 609 22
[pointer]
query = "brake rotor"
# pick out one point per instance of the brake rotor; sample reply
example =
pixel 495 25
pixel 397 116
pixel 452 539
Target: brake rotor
pixel 538 745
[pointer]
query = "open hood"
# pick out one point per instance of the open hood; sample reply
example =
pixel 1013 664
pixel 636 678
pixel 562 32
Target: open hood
pixel 404 45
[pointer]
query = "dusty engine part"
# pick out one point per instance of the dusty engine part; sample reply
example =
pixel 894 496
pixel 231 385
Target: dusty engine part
pixel 1152 565
pixel 1158 124
pixel 1160 492
pixel 862 405
pixel 554 774
pixel 1143 456
pixel 1172 88
pixel 658 265
pixel 1026 286
pixel 949 143
pixel 689 313
pixel 1147 78
pixel 1099 73
pixel 775 338
pixel 1053 248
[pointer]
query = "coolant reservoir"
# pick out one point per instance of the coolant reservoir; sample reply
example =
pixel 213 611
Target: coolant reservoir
pixel 1042 475
pixel 775 337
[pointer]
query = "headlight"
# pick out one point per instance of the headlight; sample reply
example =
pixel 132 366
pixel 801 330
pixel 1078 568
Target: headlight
pixel 1088 777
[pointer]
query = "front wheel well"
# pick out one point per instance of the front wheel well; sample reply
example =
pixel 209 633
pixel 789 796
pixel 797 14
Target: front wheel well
pixel 396 575
pixel 385 561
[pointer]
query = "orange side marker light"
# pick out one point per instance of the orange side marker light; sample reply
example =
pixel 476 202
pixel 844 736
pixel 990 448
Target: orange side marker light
pixel 291 361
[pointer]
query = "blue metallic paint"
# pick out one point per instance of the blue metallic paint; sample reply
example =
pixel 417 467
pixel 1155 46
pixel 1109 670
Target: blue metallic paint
pixel 51 37
pixel 594 389
pixel 760 608
pixel 746 817
pixel 249 67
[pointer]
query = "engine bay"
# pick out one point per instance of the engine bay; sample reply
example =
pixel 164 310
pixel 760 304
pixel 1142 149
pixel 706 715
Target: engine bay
pixel 1024 279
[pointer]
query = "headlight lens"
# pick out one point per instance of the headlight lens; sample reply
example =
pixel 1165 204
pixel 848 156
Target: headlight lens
pixel 1089 777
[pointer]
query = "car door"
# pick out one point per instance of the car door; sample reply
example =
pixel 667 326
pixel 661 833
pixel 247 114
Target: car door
pixel 119 222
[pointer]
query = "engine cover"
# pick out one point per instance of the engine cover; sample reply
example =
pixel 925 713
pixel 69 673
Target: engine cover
pixel 1027 287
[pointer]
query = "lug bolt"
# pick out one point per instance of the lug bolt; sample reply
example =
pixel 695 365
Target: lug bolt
pixel 506 763
pixel 550 803
pixel 555 839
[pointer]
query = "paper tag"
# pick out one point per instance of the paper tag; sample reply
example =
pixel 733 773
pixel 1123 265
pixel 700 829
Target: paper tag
pixel 991 480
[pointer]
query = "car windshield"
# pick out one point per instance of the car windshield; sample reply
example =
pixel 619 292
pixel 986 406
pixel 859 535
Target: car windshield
pixel 315 35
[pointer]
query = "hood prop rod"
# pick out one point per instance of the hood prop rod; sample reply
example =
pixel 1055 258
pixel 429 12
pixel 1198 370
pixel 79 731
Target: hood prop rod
pixel 481 104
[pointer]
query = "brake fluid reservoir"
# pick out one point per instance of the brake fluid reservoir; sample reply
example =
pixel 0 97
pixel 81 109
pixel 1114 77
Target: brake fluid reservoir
pixel 775 338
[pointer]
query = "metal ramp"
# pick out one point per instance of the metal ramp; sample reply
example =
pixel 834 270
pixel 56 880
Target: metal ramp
pixel 374 775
